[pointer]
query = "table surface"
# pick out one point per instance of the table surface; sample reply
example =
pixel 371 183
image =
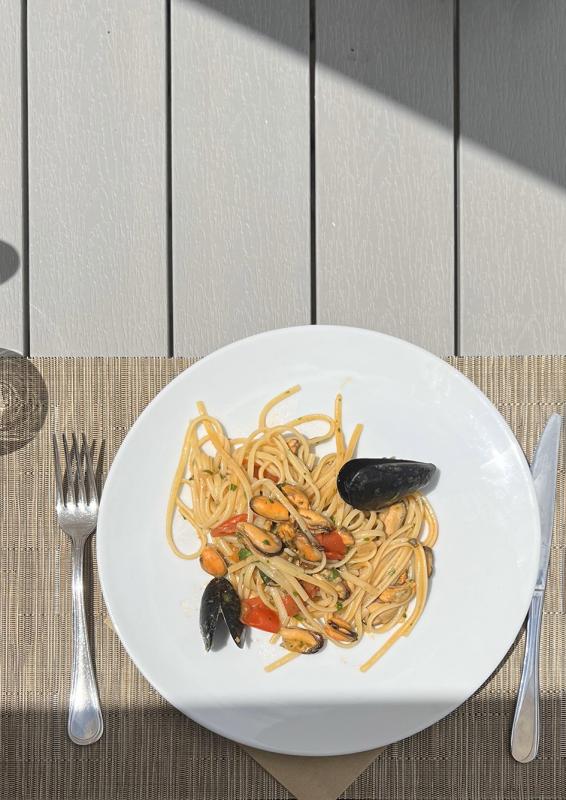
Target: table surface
pixel 151 751
pixel 179 175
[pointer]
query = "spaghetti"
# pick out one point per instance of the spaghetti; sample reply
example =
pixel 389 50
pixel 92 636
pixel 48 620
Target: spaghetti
pixel 268 516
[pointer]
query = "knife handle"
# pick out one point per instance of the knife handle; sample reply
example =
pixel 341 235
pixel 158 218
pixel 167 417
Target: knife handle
pixel 525 731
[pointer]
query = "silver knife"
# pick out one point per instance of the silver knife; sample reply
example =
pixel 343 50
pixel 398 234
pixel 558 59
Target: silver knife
pixel 525 732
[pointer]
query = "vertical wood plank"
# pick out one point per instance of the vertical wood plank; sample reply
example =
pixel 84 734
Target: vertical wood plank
pixel 98 177
pixel 241 191
pixel 513 176
pixel 384 167
pixel 11 220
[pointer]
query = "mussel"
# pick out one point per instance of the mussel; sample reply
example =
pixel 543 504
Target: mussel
pixel 295 495
pixel 213 562
pixel 384 613
pixel 301 640
pixel 317 523
pixel 372 483
pixel 287 531
pixel 220 597
pixel 307 550
pixel 268 508
pixel 265 542
pixel 341 631
pixel 429 555
pixel 398 594
pixel 393 517
pixel 342 589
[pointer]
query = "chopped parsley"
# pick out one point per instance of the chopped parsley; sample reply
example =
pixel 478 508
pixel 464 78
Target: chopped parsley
pixel 339 606
pixel 265 578
pixel 333 520
pixel 298 617
pixel 334 574
pixel 233 487
pixel 266 541
pixel 244 553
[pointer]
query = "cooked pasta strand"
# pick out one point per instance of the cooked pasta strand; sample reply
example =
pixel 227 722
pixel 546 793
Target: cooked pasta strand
pixel 373 582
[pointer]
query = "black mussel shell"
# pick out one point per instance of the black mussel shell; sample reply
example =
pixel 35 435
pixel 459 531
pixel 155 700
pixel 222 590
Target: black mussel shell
pixel 230 607
pixel 220 597
pixel 209 612
pixel 372 483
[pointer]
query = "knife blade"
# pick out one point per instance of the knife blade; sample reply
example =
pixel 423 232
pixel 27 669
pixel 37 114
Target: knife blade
pixel 525 731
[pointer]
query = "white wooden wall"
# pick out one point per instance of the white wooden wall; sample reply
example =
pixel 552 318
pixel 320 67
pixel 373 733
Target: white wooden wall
pixel 177 174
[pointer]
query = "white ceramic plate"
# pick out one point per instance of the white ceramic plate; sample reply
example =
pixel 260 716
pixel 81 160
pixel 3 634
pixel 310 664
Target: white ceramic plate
pixel 412 405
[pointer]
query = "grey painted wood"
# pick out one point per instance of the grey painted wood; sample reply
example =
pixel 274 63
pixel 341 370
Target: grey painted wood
pixel 240 119
pixel 97 168
pixel 384 167
pixel 513 177
pixel 11 219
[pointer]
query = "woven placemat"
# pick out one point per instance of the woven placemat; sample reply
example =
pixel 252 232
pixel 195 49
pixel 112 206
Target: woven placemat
pixel 149 750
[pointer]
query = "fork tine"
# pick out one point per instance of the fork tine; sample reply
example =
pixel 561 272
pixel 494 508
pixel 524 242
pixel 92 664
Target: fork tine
pixel 77 455
pixel 70 481
pixel 89 471
pixel 58 476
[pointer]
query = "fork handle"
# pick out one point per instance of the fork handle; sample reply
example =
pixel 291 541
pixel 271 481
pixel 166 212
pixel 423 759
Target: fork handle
pixel 85 724
pixel 525 731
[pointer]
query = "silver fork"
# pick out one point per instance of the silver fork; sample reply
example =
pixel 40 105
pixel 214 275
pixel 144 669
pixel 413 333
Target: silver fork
pixel 77 518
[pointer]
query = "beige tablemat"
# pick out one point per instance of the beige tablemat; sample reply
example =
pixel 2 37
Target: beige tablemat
pixel 149 750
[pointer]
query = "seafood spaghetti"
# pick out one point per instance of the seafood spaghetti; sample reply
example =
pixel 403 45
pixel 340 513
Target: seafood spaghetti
pixel 287 553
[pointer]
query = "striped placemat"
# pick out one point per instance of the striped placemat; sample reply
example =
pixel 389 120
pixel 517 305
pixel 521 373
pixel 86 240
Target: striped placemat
pixel 149 750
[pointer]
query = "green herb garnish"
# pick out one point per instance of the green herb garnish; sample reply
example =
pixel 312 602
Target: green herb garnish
pixel 266 541
pixel 298 617
pixel 339 606
pixel 244 553
pixel 233 487
pixel 334 574
pixel 265 578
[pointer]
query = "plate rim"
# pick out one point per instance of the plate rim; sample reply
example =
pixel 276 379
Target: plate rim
pixel 529 485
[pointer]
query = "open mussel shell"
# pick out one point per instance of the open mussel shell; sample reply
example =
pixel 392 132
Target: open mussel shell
pixel 372 483
pixel 220 597
pixel 209 612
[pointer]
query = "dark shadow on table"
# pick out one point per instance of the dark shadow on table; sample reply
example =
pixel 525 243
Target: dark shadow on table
pixel 509 105
pixel 157 753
